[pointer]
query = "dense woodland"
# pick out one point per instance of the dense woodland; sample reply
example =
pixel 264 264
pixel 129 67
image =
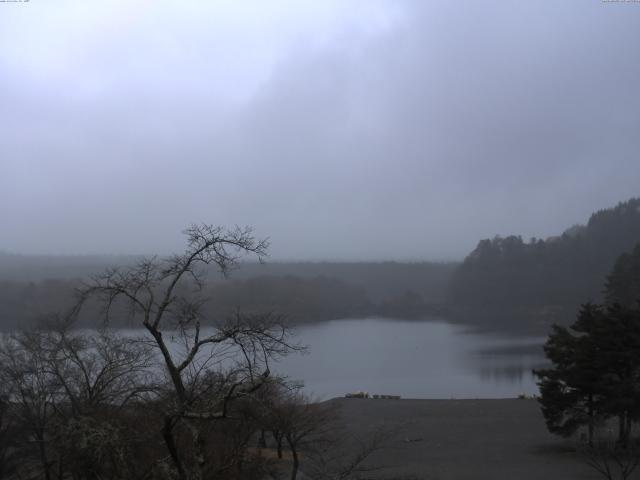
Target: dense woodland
pixel 379 280
pixel 559 272
pixel 33 287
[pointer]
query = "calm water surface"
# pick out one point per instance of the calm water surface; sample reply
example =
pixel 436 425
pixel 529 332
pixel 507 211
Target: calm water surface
pixel 427 359
pixel 413 359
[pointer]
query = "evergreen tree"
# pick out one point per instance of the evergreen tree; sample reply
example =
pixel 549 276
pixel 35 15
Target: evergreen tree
pixel 560 271
pixel 570 390
pixel 623 284
pixel 617 340
pixel 595 373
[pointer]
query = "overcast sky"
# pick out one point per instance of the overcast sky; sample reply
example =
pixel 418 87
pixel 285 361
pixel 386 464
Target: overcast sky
pixel 340 129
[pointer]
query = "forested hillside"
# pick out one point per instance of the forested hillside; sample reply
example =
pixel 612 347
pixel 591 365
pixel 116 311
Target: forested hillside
pixel 561 271
pixel 381 281
pixel 33 287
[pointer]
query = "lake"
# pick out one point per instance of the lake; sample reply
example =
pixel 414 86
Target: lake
pixel 414 359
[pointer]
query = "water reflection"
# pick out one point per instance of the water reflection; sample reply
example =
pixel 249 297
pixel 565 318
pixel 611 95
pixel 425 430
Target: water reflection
pixel 513 362
pixel 426 359
pixel 513 374
pixel 431 359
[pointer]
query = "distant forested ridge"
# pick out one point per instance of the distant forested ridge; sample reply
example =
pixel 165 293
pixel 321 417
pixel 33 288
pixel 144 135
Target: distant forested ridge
pixel 562 271
pixel 33 287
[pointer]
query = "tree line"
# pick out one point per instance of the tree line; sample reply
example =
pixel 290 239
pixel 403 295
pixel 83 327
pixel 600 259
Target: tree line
pixel 380 281
pixel 509 272
pixel 305 299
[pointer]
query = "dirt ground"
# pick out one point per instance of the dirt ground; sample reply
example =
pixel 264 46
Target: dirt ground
pixel 466 439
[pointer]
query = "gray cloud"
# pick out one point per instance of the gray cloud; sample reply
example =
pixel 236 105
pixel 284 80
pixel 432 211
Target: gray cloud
pixel 346 130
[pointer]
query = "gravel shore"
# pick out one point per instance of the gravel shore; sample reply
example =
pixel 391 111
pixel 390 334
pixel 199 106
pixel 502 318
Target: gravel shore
pixel 466 439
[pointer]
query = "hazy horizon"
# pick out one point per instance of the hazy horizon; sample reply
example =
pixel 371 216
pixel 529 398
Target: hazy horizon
pixel 271 259
pixel 248 259
pixel 342 130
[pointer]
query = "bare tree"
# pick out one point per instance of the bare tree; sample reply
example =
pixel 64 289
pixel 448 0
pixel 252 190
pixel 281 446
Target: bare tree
pixel 31 393
pixel 304 425
pixel 270 404
pixel 165 296
pixel 610 458
pixel 10 437
pixel 316 437
pixel 96 370
pixel 350 457
pixel 65 392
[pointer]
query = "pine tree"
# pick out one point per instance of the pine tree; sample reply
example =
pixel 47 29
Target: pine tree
pixel 570 390
pixel 623 284
pixel 596 372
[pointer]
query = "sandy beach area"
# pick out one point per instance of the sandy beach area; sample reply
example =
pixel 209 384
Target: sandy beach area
pixel 466 439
